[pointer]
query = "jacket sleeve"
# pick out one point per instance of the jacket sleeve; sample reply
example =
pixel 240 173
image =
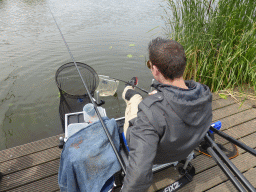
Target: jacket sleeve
pixel 143 140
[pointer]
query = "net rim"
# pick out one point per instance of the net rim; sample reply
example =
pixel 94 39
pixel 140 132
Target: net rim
pixel 78 64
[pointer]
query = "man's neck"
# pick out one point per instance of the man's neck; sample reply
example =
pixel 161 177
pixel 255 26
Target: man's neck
pixel 178 82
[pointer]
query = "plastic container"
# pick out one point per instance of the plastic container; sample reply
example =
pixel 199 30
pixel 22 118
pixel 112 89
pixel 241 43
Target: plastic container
pixel 75 122
pixel 107 86
pixel 90 115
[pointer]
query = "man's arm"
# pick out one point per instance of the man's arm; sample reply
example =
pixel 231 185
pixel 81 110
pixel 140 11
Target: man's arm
pixel 143 140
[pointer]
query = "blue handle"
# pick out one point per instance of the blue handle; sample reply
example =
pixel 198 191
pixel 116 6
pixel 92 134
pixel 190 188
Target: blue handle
pixel 125 142
pixel 216 125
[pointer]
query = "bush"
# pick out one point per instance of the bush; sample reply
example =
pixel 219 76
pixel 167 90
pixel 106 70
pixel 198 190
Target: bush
pixel 219 39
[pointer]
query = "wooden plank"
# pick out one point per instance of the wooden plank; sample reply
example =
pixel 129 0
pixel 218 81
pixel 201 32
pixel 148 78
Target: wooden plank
pixel 229 110
pixel 239 132
pixel 31 160
pixel 202 163
pixel 220 103
pixel 244 162
pixel 215 96
pixel 163 179
pixel 229 187
pixel 238 118
pixel 250 141
pixel 45 185
pixel 29 148
pixel 242 130
pixel 214 176
pixel 30 175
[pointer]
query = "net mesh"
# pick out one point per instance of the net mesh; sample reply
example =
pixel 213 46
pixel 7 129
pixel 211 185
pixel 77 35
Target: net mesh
pixel 69 81
pixel 73 95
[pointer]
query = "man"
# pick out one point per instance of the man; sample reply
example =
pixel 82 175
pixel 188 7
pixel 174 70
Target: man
pixel 170 122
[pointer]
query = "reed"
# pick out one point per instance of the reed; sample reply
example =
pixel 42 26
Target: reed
pixel 219 38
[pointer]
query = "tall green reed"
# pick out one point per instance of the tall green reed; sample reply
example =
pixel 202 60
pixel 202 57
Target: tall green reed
pixel 219 38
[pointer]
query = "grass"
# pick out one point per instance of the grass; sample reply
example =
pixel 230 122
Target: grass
pixel 219 38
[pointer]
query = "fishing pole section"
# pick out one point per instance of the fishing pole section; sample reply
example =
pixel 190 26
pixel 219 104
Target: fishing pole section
pixel 145 91
pixel 91 99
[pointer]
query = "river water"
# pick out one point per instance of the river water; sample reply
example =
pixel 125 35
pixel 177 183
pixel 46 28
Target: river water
pixel 109 35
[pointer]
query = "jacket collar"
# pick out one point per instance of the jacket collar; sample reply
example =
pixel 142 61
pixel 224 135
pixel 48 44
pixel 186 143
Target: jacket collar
pixel 191 85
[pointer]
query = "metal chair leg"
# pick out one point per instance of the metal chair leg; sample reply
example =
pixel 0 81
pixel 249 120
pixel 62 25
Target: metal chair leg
pixel 1 176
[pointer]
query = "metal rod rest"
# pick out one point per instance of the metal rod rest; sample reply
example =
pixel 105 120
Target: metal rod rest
pixel 225 170
pixel 161 167
pixel 236 142
pixel 231 166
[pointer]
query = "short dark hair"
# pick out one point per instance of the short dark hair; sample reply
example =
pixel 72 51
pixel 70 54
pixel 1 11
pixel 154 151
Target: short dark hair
pixel 168 56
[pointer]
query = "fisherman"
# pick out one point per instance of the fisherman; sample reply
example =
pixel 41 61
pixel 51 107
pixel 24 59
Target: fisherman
pixel 168 124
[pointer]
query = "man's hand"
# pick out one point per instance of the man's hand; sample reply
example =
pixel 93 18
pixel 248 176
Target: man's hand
pixel 133 82
pixel 153 92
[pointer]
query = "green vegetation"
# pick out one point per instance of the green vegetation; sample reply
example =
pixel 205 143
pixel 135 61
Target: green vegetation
pixel 219 38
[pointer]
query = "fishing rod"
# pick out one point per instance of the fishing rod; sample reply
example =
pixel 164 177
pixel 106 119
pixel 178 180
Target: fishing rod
pixel 91 98
pixel 129 84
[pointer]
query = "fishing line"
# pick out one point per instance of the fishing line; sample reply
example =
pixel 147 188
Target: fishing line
pixel 91 98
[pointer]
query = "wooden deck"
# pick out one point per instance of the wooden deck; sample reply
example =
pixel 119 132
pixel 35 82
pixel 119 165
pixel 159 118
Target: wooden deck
pixel 34 166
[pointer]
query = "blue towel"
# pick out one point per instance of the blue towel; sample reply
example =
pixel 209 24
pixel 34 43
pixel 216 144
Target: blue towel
pixel 88 160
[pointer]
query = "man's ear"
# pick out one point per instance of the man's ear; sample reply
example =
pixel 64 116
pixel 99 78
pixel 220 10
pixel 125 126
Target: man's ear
pixel 155 70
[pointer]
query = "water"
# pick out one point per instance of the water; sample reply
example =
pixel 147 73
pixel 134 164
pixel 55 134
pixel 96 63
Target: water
pixel 101 33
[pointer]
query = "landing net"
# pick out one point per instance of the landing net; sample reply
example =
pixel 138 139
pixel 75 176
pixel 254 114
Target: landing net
pixel 72 94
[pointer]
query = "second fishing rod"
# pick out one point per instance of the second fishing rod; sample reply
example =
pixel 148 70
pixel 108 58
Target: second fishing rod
pixel 145 91
pixel 92 99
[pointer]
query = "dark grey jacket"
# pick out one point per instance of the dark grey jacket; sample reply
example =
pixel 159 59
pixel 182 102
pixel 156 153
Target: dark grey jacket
pixel 169 125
